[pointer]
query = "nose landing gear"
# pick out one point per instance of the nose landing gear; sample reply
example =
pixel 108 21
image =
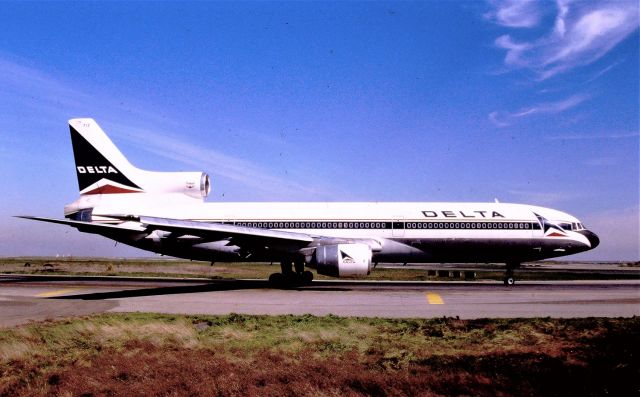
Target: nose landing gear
pixel 509 276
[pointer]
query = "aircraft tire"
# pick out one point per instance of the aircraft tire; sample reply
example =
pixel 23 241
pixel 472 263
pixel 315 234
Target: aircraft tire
pixel 307 277
pixel 509 281
pixel 276 279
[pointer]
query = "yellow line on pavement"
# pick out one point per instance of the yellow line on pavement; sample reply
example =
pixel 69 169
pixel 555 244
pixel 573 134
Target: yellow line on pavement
pixel 434 299
pixel 56 292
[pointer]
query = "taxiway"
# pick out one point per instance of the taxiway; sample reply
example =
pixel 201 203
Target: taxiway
pixel 29 298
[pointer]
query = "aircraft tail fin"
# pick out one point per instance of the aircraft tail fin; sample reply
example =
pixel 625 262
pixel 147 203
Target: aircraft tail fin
pixel 102 169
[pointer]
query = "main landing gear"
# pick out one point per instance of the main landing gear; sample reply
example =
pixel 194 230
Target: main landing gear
pixel 293 274
pixel 509 277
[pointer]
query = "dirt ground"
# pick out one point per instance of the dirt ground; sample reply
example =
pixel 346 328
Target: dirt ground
pixel 237 355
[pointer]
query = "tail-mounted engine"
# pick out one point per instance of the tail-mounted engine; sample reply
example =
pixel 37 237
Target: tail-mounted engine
pixel 193 184
pixel 343 260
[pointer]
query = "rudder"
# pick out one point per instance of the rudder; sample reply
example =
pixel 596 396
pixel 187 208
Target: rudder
pixel 100 167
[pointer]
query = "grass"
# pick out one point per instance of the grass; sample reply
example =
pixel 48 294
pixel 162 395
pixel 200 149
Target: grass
pixel 152 354
pixel 185 268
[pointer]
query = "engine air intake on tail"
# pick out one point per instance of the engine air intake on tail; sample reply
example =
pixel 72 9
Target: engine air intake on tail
pixel 193 184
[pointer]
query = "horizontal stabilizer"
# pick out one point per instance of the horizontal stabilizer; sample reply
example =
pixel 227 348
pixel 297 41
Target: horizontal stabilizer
pixel 87 227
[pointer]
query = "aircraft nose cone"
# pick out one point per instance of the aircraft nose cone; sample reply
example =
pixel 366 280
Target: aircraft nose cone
pixel 593 239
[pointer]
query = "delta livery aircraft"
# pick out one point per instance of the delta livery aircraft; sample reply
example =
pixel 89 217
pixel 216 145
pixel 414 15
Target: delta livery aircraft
pixel 165 212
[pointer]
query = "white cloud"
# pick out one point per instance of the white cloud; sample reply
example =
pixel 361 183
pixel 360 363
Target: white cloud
pixel 495 118
pixel 504 119
pixel 515 51
pixel 515 13
pixel 583 32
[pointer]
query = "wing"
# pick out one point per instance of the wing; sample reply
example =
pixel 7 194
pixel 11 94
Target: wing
pixel 126 231
pixel 247 238
pixel 139 227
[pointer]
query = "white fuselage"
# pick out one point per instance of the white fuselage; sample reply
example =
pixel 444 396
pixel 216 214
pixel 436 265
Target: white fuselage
pixel 398 232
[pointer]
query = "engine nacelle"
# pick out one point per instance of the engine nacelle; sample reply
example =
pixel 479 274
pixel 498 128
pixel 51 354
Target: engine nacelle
pixel 343 260
pixel 193 184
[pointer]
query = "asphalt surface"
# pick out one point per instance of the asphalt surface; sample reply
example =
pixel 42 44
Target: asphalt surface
pixel 36 298
pixel 619 268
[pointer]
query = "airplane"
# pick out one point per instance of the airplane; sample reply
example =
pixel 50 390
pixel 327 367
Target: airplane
pixel 165 212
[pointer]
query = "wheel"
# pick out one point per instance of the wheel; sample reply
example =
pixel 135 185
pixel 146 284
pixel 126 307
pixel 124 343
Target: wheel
pixel 509 280
pixel 276 279
pixel 307 277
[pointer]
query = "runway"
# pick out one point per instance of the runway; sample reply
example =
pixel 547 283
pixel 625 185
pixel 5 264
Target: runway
pixel 29 298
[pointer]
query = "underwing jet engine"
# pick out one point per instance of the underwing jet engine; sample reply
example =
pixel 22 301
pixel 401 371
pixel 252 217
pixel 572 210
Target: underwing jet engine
pixel 342 260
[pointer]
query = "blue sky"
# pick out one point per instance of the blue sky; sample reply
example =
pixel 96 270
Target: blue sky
pixel 432 101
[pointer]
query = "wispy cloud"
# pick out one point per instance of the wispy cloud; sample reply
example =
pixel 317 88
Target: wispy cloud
pixel 504 119
pixel 616 135
pixel 583 32
pixel 50 96
pixel 33 88
pixel 497 119
pixel 219 165
pixel 515 13
pixel 603 71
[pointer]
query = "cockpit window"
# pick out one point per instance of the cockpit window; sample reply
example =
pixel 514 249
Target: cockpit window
pixel 571 225
pixel 565 225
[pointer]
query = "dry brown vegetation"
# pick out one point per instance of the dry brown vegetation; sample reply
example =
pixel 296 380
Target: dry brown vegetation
pixel 148 354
